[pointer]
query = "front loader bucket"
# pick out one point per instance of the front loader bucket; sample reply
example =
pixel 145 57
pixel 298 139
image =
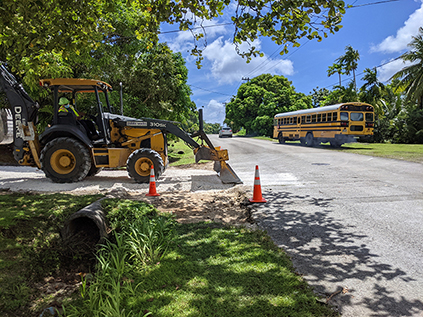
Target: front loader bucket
pixel 226 173
pixel 6 126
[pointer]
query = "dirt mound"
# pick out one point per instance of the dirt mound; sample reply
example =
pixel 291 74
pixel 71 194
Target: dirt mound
pixel 229 206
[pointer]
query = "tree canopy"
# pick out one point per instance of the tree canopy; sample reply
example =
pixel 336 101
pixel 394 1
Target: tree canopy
pixel 258 100
pixel 31 28
pixel 411 77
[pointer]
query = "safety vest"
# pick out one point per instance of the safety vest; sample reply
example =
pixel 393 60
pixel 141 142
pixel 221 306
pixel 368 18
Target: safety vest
pixel 65 108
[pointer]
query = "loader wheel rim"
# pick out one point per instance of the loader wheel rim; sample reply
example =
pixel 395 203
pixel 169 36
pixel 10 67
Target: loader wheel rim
pixel 63 161
pixel 143 166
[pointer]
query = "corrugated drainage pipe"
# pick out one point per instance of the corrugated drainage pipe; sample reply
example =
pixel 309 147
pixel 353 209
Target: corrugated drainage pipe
pixel 85 229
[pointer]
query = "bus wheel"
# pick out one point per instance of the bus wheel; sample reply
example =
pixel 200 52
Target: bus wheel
pixel 281 138
pixel 309 139
pixel 335 144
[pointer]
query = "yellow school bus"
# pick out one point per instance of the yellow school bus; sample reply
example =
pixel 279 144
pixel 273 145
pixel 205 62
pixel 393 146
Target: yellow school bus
pixel 337 124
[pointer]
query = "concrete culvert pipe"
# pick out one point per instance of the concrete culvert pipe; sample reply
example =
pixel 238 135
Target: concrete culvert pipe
pixel 85 229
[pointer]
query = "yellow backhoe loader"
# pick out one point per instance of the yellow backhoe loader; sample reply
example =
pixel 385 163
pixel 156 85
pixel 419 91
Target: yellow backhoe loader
pixel 67 152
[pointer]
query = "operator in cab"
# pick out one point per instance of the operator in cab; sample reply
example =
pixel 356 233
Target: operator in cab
pixel 88 125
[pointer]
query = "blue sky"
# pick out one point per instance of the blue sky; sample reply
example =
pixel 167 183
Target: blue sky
pixel 378 29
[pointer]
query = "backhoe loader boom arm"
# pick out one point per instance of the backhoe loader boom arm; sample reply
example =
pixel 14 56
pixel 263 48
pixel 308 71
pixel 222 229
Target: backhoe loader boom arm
pixel 23 108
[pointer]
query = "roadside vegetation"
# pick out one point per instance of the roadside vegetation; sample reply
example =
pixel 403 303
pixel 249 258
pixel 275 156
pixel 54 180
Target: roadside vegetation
pixel 398 105
pixel 405 152
pixel 150 265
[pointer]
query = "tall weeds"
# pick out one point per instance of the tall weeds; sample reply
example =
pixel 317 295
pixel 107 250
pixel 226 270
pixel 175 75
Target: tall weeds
pixel 138 240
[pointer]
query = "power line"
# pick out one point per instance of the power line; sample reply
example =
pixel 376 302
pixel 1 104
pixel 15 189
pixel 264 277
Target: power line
pixel 215 92
pixel 197 27
pixel 371 3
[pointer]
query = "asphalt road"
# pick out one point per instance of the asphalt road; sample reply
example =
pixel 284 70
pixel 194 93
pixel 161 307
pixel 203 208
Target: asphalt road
pixel 351 223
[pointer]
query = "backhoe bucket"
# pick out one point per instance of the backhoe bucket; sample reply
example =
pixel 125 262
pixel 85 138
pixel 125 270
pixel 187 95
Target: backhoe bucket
pixel 6 126
pixel 226 173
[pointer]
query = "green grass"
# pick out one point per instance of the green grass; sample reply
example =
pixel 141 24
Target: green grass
pixel 30 245
pixel 406 152
pixel 180 154
pixel 218 271
pixel 201 269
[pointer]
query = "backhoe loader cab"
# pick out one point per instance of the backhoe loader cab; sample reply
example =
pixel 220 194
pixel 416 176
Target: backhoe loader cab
pixel 67 152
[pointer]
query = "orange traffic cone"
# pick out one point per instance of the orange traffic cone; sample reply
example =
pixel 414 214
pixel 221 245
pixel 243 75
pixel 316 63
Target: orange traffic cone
pixel 152 190
pixel 257 198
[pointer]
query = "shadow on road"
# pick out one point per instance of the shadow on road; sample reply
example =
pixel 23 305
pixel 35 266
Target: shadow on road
pixel 331 255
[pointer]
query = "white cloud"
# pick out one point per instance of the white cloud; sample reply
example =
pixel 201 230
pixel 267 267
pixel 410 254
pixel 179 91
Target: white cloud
pixel 184 41
pixel 228 67
pixel 388 70
pixel 404 35
pixel 214 112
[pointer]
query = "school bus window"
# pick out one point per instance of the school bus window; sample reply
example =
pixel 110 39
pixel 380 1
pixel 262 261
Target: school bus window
pixel 344 116
pixel 303 119
pixel 334 116
pixel 313 118
pixel 329 117
pixel 295 120
pixel 308 119
pixel 323 117
pixel 369 116
pixel 356 116
pixel 319 117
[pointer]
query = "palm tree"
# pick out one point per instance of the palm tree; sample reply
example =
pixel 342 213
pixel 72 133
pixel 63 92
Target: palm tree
pixel 349 62
pixel 335 68
pixel 412 76
pixel 372 90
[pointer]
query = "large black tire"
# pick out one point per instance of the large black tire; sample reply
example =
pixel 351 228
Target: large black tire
pixel 281 139
pixel 94 170
pixel 65 160
pixel 139 165
pixel 335 144
pixel 309 139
